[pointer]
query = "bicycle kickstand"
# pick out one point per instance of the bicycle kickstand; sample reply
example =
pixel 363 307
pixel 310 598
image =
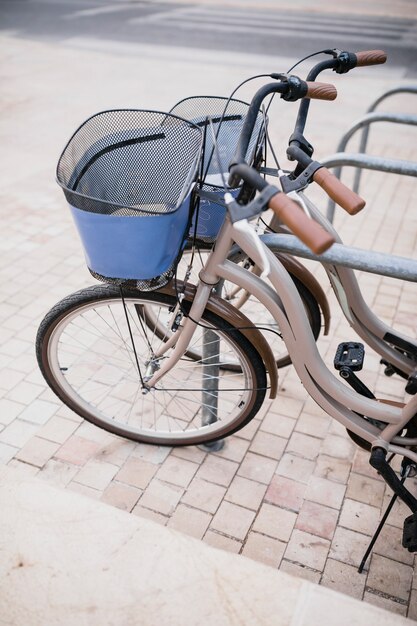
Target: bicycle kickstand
pixel 406 468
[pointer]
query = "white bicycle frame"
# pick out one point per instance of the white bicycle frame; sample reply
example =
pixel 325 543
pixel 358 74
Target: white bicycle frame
pixel 284 304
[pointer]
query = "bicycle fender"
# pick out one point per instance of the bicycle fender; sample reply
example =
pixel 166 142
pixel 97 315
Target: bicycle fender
pixel 293 266
pixel 236 318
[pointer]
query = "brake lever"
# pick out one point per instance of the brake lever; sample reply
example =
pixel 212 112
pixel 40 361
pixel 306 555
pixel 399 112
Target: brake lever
pixel 302 181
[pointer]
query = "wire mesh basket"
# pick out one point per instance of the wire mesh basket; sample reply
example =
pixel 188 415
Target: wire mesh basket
pixel 128 175
pixel 227 117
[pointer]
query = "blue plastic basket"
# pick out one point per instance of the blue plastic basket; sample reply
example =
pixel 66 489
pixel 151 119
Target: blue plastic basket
pixel 227 117
pixel 128 177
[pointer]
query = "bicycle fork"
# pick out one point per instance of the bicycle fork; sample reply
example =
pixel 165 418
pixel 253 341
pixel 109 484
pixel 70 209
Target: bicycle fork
pixel 180 340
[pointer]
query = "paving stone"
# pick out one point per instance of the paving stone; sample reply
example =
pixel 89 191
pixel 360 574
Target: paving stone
pixel 361 465
pixel 38 411
pixel 304 446
pixel 348 546
pixel 266 444
pixel 390 577
pixel 344 578
pixel 25 392
pixel 339 447
pixel 7 452
pixel 389 544
pixel 385 603
pixel 137 473
pixel 325 492
pixel 285 493
pixel 18 433
pixel 177 471
pixel 58 473
pixel 359 516
pixel 337 470
pixel 190 521
pixel 152 454
pixel 96 474
pixel 9 378
pixel 365 489
pixel 116 451
pixel 285 405
pixel 307 549
pixel 204 495
pixel 232 520
pixel 257 468
pixel 57 429
pixel 90 492
pixel 37 451
pixel 295 468
pixel 264 549
pixel 217 470
pixel 317 519
pixel 246 493
pixel 278 425
pixel 222 542
pixel 122 496
pixel 275 522
pixel 314 425
pixel 234 449
pixel 24 468
pixel 142 511
pixel 77 450
pixel 161 497
pixel 300 571
pixel 412 611
pixel 248 431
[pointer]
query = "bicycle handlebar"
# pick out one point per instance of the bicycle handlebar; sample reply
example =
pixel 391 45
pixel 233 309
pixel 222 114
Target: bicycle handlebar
pixel 370 57
pixel 320 91
pixel 341 63
pixel 288 211
pixel 291 89
pixel 308 231
pixel 337 191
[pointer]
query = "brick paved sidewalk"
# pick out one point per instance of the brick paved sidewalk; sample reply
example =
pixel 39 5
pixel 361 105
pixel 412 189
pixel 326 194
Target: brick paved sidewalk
pixel 290 489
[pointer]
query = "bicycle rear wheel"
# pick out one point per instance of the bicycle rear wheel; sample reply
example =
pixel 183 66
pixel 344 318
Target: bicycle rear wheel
pixel 85 352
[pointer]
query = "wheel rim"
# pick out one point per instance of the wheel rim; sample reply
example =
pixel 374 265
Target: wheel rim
pixel 93 363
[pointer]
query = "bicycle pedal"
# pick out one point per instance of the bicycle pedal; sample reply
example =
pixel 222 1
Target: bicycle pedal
pixel 411 386
pixel 410 533
pixel 349 354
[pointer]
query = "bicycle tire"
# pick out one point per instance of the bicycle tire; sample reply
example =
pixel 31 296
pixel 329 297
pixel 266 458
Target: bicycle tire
pixel 92 373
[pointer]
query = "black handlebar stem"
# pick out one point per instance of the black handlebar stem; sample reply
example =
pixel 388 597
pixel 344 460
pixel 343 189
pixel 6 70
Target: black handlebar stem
pixel 291 88
pixel 341 63
pixel 248 126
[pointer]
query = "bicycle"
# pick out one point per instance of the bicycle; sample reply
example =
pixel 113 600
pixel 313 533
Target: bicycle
pixel 398 352
pixel 100 356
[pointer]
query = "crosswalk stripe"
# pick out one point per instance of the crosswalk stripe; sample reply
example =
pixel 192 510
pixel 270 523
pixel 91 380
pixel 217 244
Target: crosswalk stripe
pixel 189 21
pixel 310 18
pixel 256 22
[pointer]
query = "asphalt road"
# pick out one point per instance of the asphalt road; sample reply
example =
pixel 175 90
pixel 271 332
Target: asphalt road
pixel 222 28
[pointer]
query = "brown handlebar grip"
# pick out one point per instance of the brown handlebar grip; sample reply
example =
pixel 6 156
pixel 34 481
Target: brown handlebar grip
pixel 310 233
pixel 321 91
pixel 370 57
pixel 337 191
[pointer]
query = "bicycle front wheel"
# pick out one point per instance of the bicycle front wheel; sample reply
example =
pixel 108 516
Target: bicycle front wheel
pixel 94 348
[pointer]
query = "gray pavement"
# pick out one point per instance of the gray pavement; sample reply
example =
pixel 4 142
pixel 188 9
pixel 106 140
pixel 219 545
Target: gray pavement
pixel 289 490
pixel 265 28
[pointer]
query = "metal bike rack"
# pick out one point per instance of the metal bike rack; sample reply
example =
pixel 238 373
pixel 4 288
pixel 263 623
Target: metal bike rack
pixel 363 161
pixel 348 256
